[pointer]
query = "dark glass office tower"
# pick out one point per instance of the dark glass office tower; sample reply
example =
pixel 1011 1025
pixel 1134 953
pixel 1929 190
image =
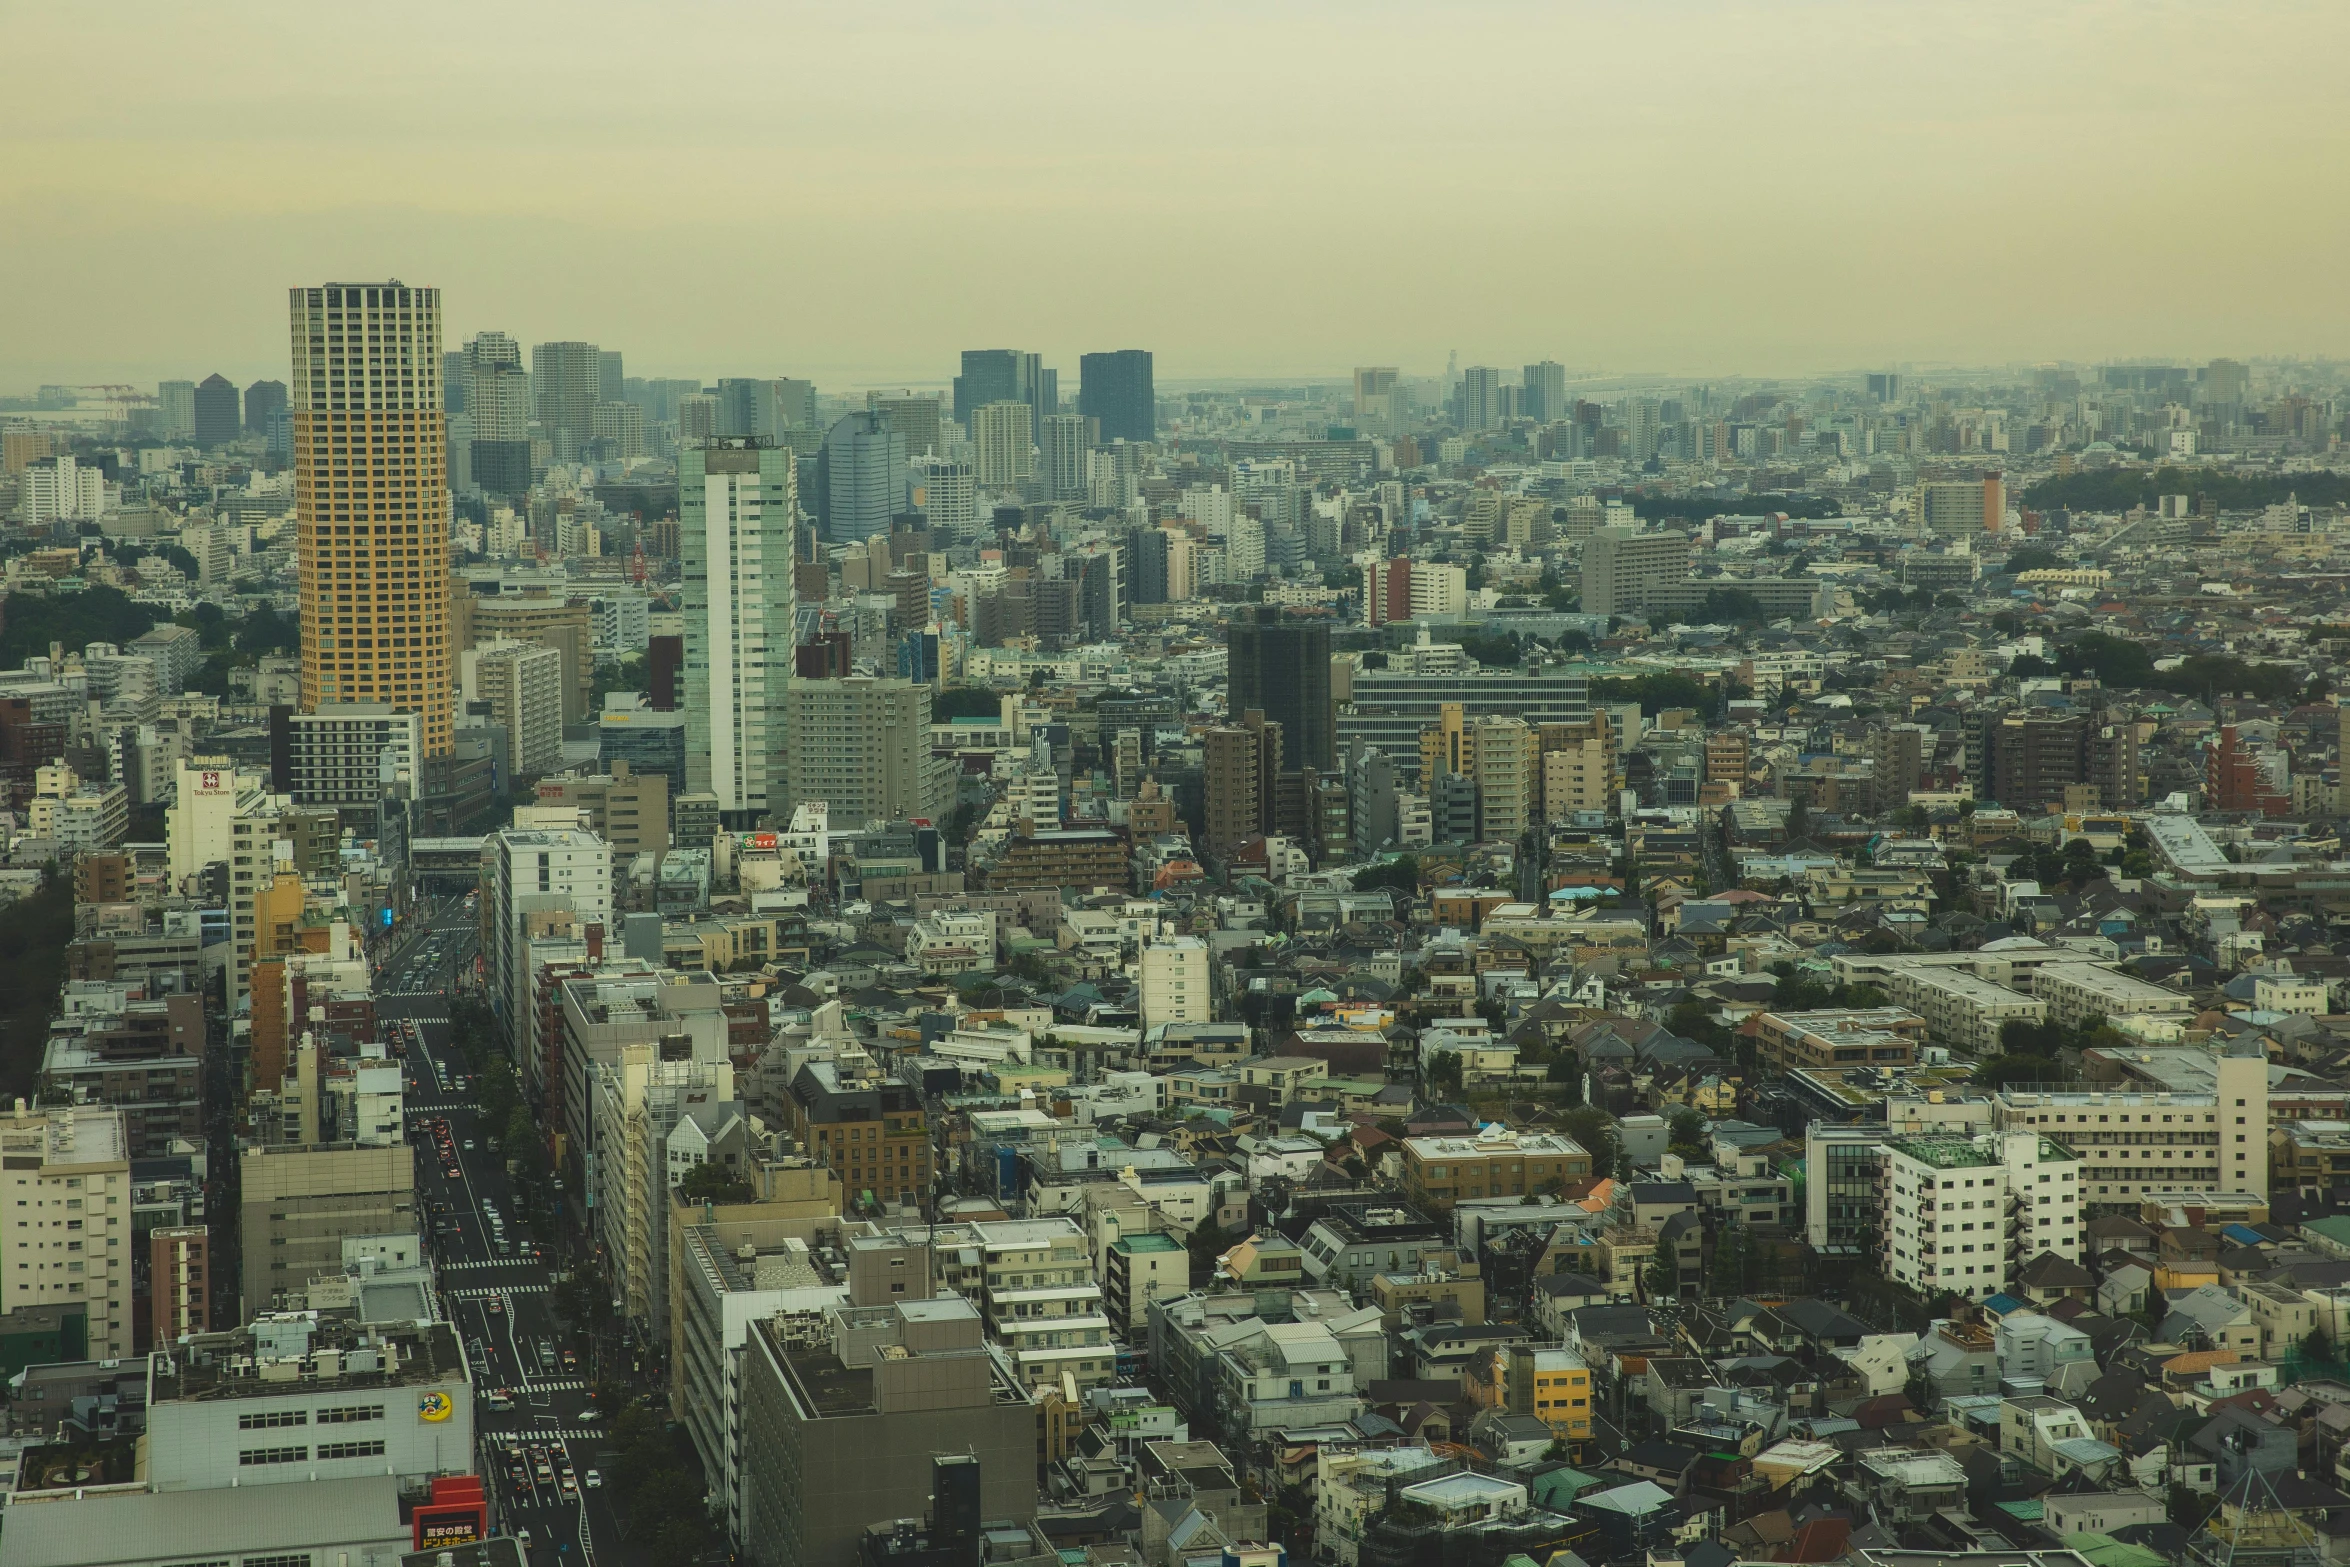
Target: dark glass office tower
pixel 1116 389
pixel 1281 667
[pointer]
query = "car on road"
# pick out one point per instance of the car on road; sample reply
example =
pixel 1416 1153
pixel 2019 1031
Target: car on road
pixel 570 1360
pixel 592 1480
pixel 522 1538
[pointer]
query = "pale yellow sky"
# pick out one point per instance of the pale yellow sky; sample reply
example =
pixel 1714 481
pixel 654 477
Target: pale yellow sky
pixel 857 192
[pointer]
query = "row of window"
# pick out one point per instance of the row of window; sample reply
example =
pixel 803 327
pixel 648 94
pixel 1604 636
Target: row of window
pixel 328 1452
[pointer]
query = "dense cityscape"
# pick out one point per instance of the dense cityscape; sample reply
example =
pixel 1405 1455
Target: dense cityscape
pixel 1425 970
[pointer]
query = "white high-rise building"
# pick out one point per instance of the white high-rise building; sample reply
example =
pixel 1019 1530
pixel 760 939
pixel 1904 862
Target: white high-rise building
pixel 1060 457
pixel 1175 982
pixel 1964 1214
pixel 540 869
pixel 738 509
pixel 1003 438
pixel 207 795
pixel 61 490
pixel 1244 548
pixel 946 493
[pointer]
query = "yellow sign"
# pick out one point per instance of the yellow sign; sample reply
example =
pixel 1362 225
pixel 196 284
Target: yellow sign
pixel 434 1407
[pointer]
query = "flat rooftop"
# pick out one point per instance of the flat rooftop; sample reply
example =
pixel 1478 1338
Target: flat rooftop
pixel 239 1364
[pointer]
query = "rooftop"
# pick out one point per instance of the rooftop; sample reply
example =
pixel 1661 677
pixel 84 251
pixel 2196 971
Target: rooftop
pixel 300 1352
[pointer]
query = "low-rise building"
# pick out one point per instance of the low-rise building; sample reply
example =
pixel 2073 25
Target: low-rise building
pixel 1497 1162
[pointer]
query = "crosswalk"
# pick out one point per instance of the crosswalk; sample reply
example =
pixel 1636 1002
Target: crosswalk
pixel 489 1262
pixel 564 1385
pixel 545 1434
pixel 493 1291
pixel 441 1107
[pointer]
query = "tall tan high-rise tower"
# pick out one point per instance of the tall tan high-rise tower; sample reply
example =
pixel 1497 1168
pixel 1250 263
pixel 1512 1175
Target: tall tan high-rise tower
pixel 372 501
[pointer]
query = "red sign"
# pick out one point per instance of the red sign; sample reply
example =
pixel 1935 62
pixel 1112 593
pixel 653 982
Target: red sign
pixel 458 1513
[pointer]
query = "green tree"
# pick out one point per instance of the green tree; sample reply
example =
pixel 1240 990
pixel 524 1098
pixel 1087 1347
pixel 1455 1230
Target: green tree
pixel 965 702
pixel 2001 1071
pixel 1401 874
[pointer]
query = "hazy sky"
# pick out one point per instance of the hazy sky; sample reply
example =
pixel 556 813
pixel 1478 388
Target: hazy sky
pixel 857 192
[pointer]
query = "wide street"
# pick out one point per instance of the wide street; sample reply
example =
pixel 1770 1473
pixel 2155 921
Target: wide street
pixel 541 1435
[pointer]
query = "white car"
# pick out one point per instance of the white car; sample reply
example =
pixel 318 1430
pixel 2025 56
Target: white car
pixel 593 1480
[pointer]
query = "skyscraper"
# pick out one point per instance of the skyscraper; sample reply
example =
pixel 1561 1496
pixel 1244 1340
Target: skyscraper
pixel 610 375
pixel 738 508
pixel 175 403
pixel 497 397
pixel 217 415
pixel 263 401
pixel 1116 389
pixel 1060 457
pixel 1545 395
pixel 1281 666
pixel 995 375
pixel 566 381
pixel 371 501
pixel 1480 406
pixel 865 477
pixel 1001 434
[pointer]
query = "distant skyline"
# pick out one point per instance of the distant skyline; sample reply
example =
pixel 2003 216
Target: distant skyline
pixel 1274 193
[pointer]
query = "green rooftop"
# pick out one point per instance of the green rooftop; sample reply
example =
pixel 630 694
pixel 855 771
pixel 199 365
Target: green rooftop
pixel 1943 1153
pixel 1151 1242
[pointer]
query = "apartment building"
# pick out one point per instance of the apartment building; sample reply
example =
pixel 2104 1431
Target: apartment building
pixel 1965 1213
pixel 1961 1009
pixel 2137 1143
pixel 66 1232
pixel 300 1204
pixel 1837 1039
pixel 862 746
pixel 2076 992
pixel 626 808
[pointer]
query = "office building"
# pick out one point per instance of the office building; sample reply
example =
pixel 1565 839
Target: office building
pixel 175 405
pixel 916 419
pixel 841 1428
pixel 1962 509
pixel 864 477
pixel 300 1203
pixel 626 808
pixel 1624 568
pixel 737 510
pixel 1002 442
pixel 67 1231
pixel 1280 666
pixel 523 684
pixel 611 375
pixel 264 402
pixel 947 494
pixel 1497 1162
pixel 1390 708
pixel 1543 397
pixel 543 878
pixel 218 417
pixel 498 410
pixel 345 754
pixel 1116 389
pixel 1060 457
pixel 862 746
pixel 1963 1214
pixel 633 733
pixel 1000 375
pixel 371 502
pixel 299 1397
pixel 566 383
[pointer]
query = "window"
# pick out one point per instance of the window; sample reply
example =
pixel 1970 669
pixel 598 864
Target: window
pixel 348 1413
pixel 333 1450
pixel 295 1559
pixel 269 1419
pixel 253 1456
